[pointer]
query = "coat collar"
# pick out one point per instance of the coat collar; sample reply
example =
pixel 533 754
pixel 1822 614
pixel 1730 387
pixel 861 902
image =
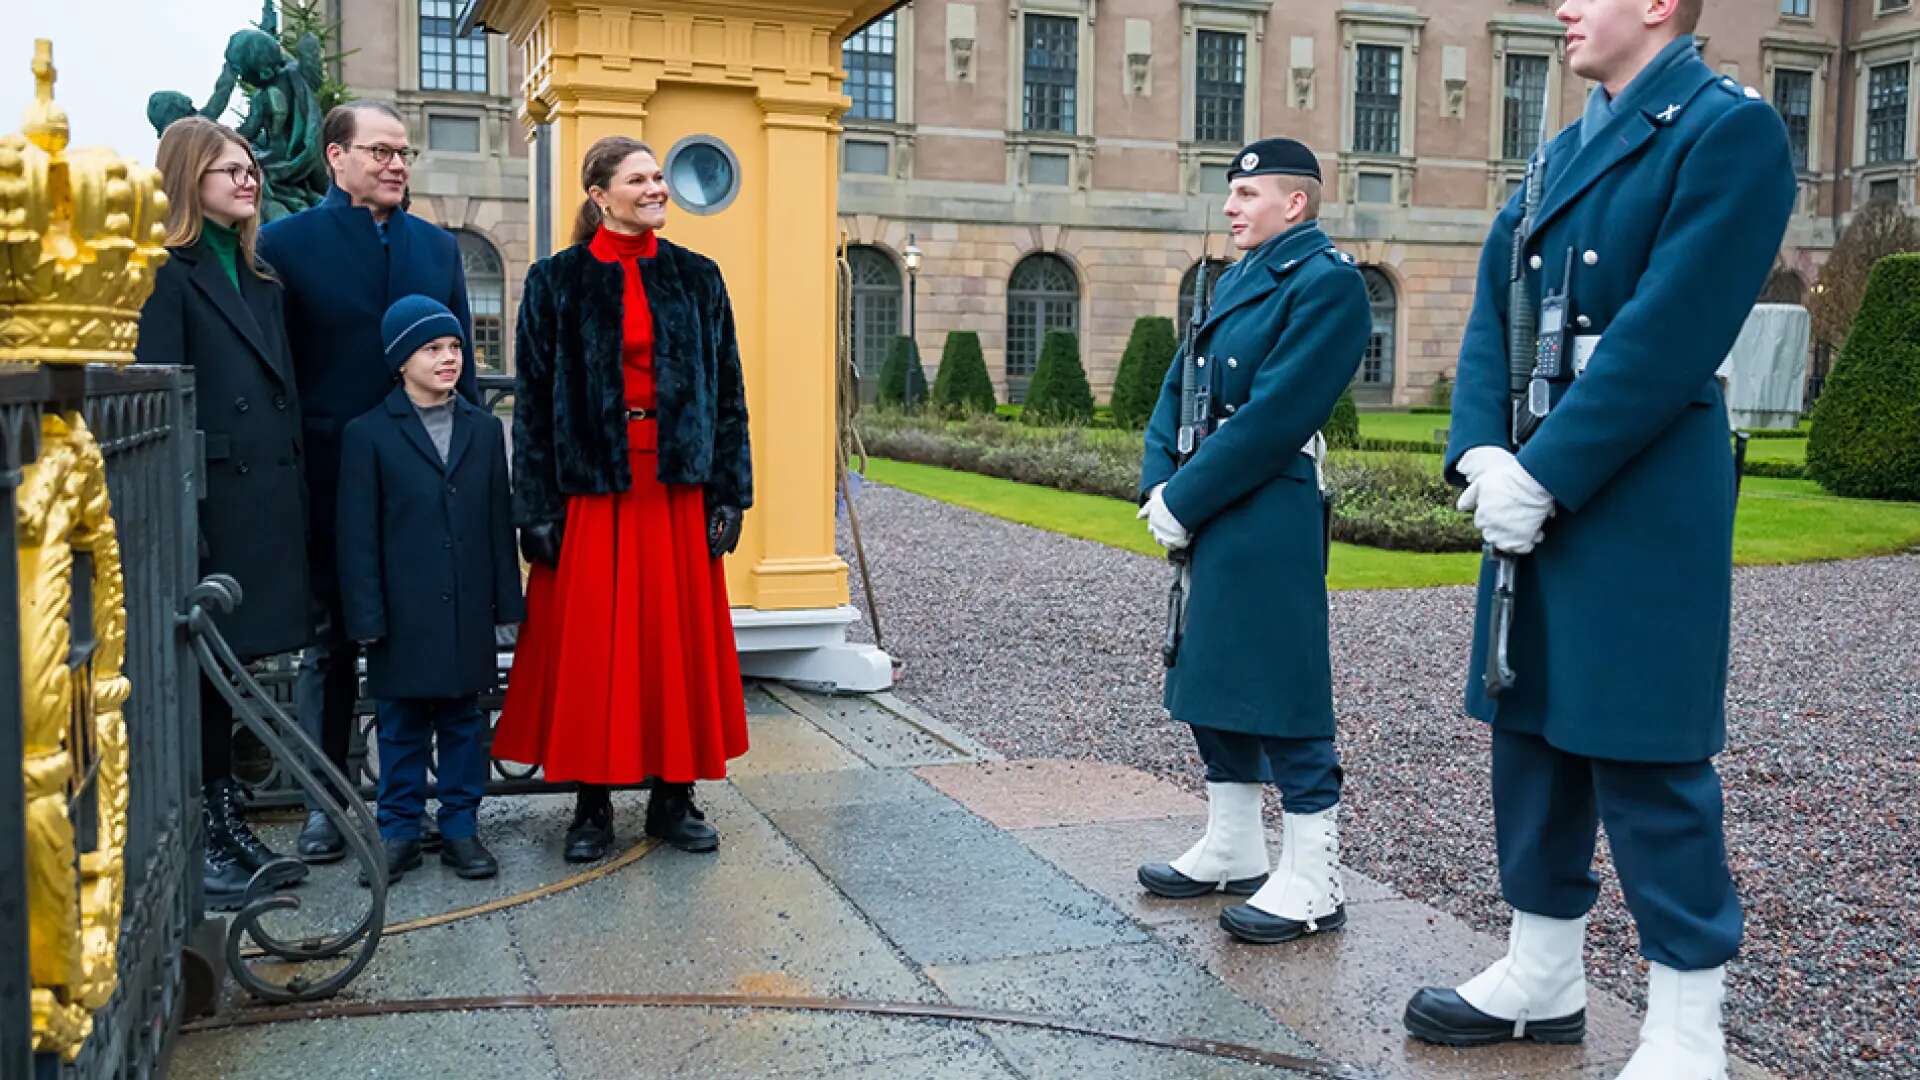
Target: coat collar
pixel 1262 269
pixel 358 222
pixel 1651 102
pixel 236 303
pixel 401 408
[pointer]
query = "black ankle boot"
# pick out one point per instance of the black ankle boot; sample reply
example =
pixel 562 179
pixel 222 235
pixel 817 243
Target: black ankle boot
pixel 672 817
pixel 226 803
pixel 223 877
pixel 590 836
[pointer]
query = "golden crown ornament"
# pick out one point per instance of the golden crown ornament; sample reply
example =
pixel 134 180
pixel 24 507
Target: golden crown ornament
pixel 84 230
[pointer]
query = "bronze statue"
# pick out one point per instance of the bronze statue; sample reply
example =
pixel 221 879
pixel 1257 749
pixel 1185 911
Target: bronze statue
pixel 283 111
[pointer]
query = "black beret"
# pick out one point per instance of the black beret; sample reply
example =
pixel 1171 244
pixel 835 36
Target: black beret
pixel 1275 157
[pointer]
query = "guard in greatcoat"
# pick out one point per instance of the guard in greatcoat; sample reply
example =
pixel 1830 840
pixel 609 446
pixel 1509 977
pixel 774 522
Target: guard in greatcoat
pixel 1659 218
pixel 1287 328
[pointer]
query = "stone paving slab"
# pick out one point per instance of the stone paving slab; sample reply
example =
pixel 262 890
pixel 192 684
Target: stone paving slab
pixel 777 792
pixel 752 918
pixel 1041 793
pixel 788 744
pixel 469 1046
pixel 948 888
pixel 676 1044
pixel 883 737
pixel 1048 1055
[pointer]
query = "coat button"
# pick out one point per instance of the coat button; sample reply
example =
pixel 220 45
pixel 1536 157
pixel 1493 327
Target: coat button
pixel 1233 361
pixel 1231 409
pixel 239 404
pixel 1590 257
pixel 1202 362
pixel 1534 262
pixel 446 545
pixel 242 469
pixel 1584 322
pixel 280 402
pixel 446 598
pixel 449 489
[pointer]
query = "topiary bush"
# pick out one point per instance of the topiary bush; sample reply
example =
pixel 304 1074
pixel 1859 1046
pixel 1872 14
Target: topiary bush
pixel 963 387
pixel 1143 367
pixel 1865 441
pixel 1058 393
pixel 1440 394
pixel 902 382
pixel 1399 503
pixel 1343 427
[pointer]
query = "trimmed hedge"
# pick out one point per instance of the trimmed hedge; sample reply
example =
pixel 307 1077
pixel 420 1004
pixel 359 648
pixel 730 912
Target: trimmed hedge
pixel 1143 368
pixel 1343 427
pixel 1401 446
pixel 963 386
pixel 1058 393
pixel 1778 470
pixel 1778 433
pixel 1865 440
pixel 1433 410
pixel 1399 503
pixel 902 381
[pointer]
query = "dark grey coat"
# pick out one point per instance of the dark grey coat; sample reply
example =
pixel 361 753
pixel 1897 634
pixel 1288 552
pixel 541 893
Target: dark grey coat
pixel 569 415
pixel 427 560
pixel 253 511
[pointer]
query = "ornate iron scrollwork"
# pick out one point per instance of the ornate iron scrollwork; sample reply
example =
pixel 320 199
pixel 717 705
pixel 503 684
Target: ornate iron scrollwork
pixel 326 788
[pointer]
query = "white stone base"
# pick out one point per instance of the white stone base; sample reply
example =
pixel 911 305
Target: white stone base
pixel 809 647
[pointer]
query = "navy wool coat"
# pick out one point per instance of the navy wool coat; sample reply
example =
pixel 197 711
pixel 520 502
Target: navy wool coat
pixel 340 279
pixel 253 511
pixel 569 413
pixel 1673 213
pixel 1288 326
pixel 427 560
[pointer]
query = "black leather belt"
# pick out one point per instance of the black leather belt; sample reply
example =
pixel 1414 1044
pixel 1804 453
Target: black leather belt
pixel 643 414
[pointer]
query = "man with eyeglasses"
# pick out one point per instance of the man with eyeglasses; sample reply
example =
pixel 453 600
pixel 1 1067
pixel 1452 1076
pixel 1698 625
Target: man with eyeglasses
pixel 343 263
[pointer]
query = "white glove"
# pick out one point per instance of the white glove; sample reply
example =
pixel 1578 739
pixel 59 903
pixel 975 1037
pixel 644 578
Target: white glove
pixel 1162 524
pixel 1478 460
pixel 1509 507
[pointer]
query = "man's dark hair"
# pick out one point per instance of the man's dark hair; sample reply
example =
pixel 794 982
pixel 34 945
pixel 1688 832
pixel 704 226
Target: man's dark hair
pixel 339 126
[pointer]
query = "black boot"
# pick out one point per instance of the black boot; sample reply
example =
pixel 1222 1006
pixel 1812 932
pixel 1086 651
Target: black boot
pixel 225 807
pixel 400 857
pixel 590 836
pixel 222 875
pixel 672 817
pixel 468 857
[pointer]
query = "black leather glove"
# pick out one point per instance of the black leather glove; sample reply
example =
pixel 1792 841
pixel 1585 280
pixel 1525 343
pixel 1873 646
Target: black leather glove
pixel 541 543
pixel 723 530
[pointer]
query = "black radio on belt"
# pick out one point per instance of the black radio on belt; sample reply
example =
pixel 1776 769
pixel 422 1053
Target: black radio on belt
pixel 1551 364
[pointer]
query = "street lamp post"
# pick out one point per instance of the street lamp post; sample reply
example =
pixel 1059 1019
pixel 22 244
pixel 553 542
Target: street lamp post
pixel 911 256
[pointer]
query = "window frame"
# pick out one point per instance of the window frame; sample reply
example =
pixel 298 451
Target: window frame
pixel 1249 19
pixel 899 133
pixel 1391 28
pixel 1227 97
pixel 1803 159
pixel 457 49
pixel 855 111
pixel 469 242
pixel 1891 155
pixel 864 294
pixel 1019 140
pixel 1016 381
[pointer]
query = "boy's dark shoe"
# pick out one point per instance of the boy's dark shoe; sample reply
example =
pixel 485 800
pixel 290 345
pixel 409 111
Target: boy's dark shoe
pixel 671 816
pixel 468 857
pixel 320 841
pixel 590 836
pixel 401 856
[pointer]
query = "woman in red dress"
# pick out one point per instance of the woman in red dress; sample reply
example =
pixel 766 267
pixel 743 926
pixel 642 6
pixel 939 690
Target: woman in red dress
pixel 631 471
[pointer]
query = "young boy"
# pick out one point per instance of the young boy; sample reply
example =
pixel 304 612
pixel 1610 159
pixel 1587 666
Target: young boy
pixel 427 569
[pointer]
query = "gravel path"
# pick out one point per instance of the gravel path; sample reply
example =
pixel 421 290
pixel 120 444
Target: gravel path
pixel 1044 646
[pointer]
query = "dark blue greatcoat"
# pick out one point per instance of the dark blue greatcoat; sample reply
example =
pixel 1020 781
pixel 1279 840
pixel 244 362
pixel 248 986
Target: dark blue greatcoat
pixel 427 559
pixel 253 513
pixel 1673 212
pixel 1287 329
pixel 340 279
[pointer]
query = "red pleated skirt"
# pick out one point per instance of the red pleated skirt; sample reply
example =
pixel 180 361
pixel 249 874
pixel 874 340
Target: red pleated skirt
pixel 626 667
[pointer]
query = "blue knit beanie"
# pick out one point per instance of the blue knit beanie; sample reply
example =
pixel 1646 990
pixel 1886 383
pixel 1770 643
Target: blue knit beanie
pixel 413 321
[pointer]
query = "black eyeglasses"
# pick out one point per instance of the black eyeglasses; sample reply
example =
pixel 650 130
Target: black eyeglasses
pixel 241 175
pixel 382 153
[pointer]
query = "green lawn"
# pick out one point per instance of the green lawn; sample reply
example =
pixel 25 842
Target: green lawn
pixel 1780 521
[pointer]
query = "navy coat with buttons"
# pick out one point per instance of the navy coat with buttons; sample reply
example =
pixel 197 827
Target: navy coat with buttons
pixel 253 511
pixel 427 560
pixel 1673 212
pixel 340 279
pixel 1288 326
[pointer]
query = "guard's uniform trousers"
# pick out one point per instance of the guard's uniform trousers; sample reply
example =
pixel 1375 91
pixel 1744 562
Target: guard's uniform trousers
pixel 1307 771
pixel 1660 220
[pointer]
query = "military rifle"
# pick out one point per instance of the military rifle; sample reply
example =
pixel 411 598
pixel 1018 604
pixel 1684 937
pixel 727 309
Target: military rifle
pixel 1195 424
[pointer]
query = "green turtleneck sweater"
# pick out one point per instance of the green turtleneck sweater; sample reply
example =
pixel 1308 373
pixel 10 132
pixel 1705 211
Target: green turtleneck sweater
pixel 225 244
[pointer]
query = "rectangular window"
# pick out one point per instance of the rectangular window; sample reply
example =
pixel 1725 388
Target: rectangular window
pixel 1050 170
pixel 1886 6
pixel 1883 191
pixel 446 62
pixel 460 134
pixel 1373 188
pixel 1220 87
pixel 1052 74
pixel 1213 180
pixel 1376 99
pixel 1799 9
pixel 1887 112
pixel 869 56
pixel 1793 96
pixel 1526 105
pixel 866 157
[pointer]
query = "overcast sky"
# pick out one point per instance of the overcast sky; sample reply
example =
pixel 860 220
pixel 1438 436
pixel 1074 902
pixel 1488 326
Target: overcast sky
pixel 110 54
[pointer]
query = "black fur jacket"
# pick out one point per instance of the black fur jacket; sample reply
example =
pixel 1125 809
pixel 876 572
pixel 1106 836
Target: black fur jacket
pixel 569 415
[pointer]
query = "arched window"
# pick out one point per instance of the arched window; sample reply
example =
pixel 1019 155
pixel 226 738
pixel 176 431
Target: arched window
pixel 876 313
pixel 1784 287
pixel 486 298
pixel 1374 383
pixel 1043 294
pixel 1215 267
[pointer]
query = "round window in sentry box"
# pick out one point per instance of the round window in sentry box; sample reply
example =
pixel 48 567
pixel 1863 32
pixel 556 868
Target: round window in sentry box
pixel 703 175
